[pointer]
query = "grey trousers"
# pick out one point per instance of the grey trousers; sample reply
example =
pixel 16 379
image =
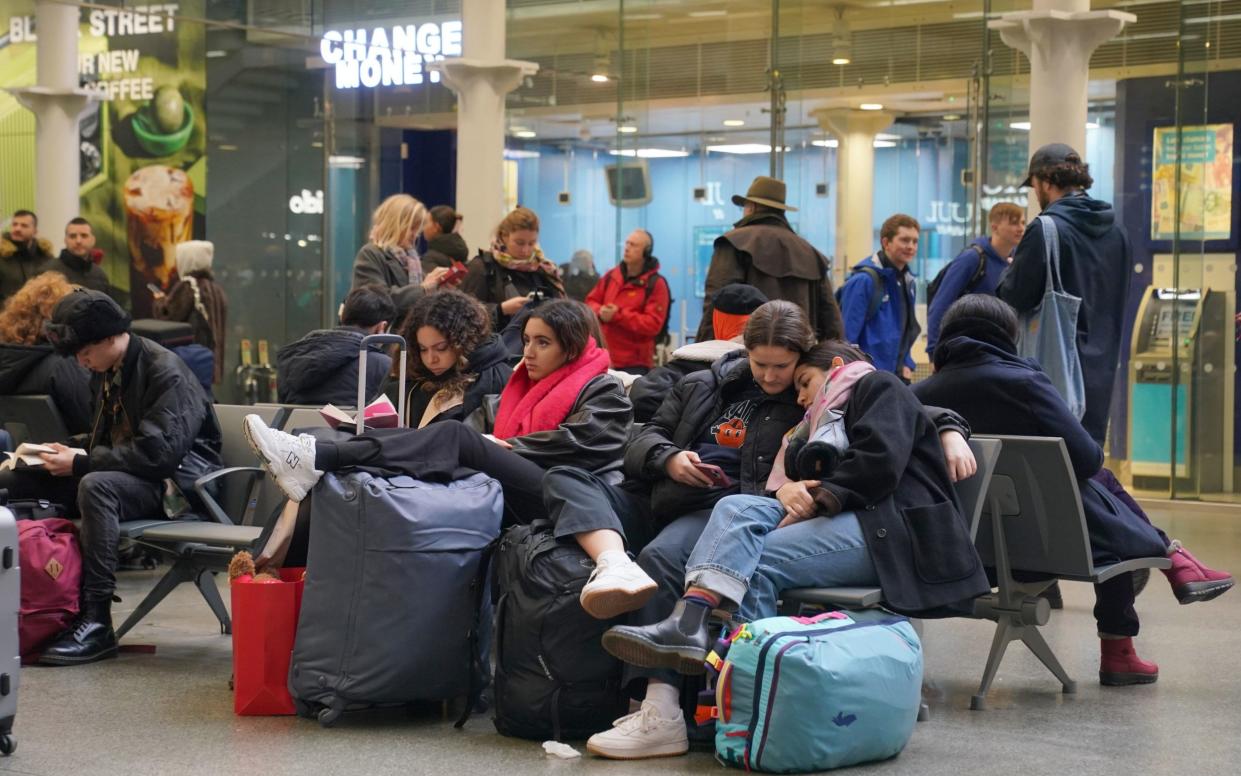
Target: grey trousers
pixel 102 500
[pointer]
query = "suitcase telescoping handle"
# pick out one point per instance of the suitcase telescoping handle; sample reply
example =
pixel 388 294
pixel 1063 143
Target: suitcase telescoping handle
pixel 380 339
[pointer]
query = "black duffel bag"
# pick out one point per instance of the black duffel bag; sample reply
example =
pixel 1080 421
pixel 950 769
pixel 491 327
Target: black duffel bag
pixel 553 678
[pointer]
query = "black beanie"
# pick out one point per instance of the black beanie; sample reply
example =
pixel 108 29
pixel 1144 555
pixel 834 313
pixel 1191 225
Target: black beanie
pixel 738 299
pixel 82 318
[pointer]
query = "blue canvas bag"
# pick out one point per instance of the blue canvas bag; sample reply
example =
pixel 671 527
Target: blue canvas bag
pixel 1049 332
pixel 798 694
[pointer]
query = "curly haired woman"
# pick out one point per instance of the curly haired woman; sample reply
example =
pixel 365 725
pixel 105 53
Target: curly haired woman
pixel 459 360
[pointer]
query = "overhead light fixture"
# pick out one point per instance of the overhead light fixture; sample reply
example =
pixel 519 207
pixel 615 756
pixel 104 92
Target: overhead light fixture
pixel 707 14
pixel 871 106
pixel 884 144
pixel 626 129
pixel 952 117
pixel 518 153
pixel 742 148
pixel 216 54
pixel 643 17
pixel 526 134
pixel 842 39
pixel 886 136
pixel 347 162
pixel 830 142
pixel 1092 125
pixel 600 78
pixel 649 153
pixel 734 123
pixel 1022 125
pixel 840 59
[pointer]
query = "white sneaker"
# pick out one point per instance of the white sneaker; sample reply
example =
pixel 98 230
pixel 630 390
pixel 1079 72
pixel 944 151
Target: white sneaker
pixel 640 735
pixel 289 459
pixel 616 588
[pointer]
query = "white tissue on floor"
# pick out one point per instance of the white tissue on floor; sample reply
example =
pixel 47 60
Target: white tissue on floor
pixel 563 751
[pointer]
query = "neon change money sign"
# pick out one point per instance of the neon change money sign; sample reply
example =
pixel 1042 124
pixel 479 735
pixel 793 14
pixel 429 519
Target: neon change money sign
pixel 389 56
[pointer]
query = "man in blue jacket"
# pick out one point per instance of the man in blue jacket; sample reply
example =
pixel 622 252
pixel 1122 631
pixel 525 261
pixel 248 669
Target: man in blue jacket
pixel 877 301
pixel 977 269
pixel 1095 264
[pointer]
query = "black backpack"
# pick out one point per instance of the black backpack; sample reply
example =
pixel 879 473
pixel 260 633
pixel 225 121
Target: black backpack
pixel 876 291
pixel 553 679
pixel 933 287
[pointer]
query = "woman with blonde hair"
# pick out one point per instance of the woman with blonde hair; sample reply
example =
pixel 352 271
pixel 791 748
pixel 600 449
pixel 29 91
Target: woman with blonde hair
pixel 514 272
pixel 388 259
pixel 28 364
pixel 198 300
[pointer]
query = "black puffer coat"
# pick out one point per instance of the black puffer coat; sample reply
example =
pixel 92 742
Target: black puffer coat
pixel 169 415
pixel 27 370
pixel 690 409
pixel 488 363
pixel 443 250
pixel 322 368
pixel 591 437
pixel 490 283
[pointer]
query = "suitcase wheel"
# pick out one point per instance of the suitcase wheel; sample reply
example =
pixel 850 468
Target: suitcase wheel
pixel 304 710
pixel 8 744
pixel 328 716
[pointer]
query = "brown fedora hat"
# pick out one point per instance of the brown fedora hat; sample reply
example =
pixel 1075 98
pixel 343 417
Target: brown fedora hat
pixel 765 191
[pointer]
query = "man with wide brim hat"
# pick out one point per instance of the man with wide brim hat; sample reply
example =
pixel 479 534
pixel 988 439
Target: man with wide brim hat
pixel 763 251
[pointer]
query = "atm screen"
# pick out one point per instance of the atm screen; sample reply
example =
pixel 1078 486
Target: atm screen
pixel 1161 329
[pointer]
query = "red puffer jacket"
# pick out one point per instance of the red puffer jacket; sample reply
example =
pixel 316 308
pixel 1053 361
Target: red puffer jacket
pixel 642 306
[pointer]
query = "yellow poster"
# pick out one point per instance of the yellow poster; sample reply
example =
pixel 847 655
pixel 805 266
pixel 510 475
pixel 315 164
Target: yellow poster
pixel 1206 183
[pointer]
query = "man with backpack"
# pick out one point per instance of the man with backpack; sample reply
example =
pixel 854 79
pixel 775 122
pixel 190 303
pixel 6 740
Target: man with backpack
pixel 152 421
pixel 975 270
pixel 877 301
pixel 632 301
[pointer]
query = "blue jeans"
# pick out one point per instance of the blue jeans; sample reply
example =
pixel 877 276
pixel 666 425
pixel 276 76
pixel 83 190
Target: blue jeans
pixel 745 560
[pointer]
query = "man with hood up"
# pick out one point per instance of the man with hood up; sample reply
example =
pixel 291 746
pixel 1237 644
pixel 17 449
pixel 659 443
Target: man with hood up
pixel 1095 264
pixel 322 367
pixel 763 251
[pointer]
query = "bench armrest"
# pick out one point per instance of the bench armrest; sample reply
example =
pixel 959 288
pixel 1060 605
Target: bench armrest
pixel 215 511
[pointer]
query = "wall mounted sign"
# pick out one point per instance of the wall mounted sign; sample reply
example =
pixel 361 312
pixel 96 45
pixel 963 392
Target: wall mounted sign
pixel 1205 161
pixel 389 56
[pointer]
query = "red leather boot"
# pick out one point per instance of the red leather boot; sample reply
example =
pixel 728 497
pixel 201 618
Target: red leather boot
pixel 1191 581
pixel 1120 664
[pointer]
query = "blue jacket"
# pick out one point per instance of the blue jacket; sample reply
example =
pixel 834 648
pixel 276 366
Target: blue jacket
pixel 1095 264
pixel 998 392
pixel 954 284
pixel 883 337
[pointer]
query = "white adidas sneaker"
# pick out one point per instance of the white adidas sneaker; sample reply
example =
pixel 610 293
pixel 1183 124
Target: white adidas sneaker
pixel 616 588
pixel 641 735
pixel 289 459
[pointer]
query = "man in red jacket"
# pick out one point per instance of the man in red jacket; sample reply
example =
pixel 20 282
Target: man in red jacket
pixel 632 301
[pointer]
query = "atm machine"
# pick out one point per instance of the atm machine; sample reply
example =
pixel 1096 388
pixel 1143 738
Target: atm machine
pixel 1181 379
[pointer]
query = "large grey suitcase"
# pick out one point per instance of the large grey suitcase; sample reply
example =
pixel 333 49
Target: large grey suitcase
pixel 396 599
pixel 10 605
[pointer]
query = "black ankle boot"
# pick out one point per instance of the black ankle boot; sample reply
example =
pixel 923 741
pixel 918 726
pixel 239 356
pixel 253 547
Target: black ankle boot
pixel 88 639
pixel 680 642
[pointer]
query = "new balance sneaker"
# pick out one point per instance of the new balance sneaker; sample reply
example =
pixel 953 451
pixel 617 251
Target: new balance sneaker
pixel 289 459
pixel 1191 581
pixel 616 588
pixel 640 735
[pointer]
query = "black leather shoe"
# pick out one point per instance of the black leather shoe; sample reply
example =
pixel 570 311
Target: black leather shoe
pixel 88 639
pixel 680 642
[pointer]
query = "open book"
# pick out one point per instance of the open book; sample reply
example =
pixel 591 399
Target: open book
pixel 27 454
pixel 378 414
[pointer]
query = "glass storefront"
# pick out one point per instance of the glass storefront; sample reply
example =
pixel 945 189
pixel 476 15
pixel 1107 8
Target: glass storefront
pixel 652 114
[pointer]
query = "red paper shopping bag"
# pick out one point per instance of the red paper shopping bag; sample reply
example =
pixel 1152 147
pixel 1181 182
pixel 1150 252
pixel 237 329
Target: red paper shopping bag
pixel 264 624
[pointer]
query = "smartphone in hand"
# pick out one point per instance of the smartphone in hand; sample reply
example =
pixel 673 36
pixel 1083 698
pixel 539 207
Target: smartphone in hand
pixel 455 274
pixel 717 476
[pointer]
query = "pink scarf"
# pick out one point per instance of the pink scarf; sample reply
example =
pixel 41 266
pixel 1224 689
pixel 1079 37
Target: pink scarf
pixel 834 394
pixel 527 407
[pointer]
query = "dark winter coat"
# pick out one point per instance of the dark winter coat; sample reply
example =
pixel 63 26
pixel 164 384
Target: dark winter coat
pixel 591 437
pixel 169 416
pixel 763 251
pixel 1095 264
pixel 322 368
pixel 490 283
pixel 209 330
pixel 685 415
pixel 894 478
pixel 650 390
pixel 489 365
pixel 956 284
pixel 443 250
pixel 999 392
pixel 577 284
pixel 80 272
pixel 29 370
pixel 20 263
pixel 376 266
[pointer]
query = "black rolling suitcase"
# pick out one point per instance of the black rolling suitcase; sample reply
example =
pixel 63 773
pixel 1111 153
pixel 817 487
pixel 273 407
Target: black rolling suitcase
pixel 10 604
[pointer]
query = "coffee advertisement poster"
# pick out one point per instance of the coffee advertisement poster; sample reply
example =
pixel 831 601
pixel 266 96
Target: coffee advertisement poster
pixel 142 141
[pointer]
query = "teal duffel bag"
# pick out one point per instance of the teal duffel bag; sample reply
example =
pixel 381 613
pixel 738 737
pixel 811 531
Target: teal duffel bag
pixel 798 694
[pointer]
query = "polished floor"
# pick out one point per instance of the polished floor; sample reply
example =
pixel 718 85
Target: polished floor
pixel 171 712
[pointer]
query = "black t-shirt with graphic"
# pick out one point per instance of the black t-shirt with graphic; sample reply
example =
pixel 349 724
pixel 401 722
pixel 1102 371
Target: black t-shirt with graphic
pixel 721 443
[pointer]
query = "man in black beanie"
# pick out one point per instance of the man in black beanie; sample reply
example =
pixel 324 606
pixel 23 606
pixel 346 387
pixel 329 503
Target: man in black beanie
pixel 150 416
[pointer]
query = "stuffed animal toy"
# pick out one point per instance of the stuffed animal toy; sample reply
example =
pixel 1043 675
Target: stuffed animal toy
pixel 241 569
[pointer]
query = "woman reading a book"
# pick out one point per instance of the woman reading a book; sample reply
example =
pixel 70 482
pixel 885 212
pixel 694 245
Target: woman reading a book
pixel 560 407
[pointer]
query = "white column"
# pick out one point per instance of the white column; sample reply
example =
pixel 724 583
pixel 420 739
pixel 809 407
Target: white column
pixel 481 78
pixel 855 132
pixel 57 103
pixel 1058 37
